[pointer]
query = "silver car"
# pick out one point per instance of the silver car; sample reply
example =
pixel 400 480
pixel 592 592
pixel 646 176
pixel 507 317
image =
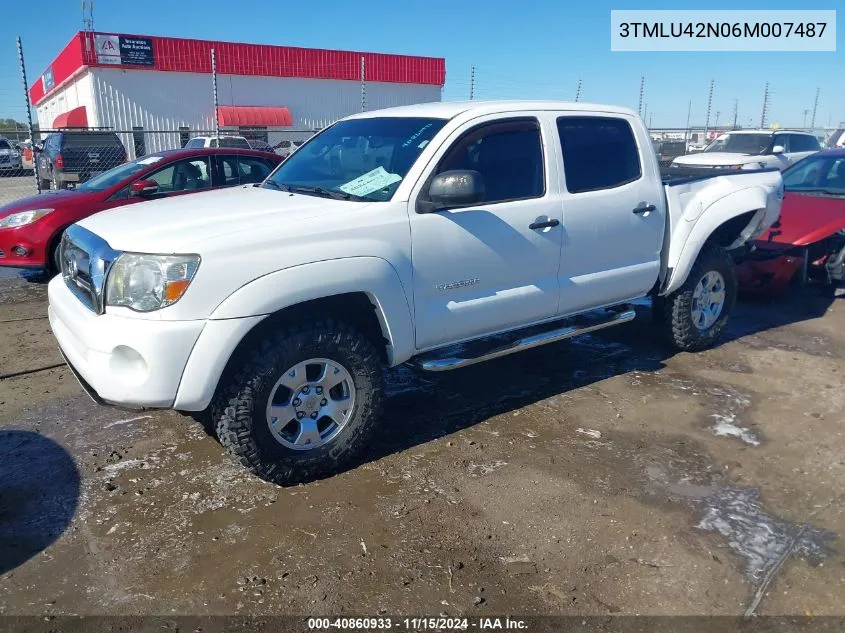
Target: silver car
pixel 10 158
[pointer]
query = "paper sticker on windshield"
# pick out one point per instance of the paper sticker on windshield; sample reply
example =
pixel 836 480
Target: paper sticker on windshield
pixel 149 160
pixel 372 181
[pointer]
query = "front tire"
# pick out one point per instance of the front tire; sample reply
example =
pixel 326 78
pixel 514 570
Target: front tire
pixel 694 316
pixel 303 404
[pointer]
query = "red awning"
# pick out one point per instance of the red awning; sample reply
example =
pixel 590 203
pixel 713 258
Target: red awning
pixel 77 117
pixel 254 115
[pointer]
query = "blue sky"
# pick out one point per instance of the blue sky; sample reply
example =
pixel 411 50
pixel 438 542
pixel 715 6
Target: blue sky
pixel 525 49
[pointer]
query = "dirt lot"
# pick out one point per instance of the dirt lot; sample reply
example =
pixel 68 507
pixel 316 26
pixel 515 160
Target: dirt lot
pixel 601 476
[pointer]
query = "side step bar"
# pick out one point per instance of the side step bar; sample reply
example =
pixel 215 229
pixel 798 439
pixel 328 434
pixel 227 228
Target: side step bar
pixel 528 342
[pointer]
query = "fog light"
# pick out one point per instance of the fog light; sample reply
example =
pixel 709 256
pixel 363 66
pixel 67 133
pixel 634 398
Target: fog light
pixel 20 251
pixel 128 366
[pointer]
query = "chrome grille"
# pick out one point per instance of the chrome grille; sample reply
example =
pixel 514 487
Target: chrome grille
pixel 86 259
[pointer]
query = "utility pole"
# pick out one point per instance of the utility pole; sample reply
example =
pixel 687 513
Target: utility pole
pixel 363 84
pixel 28 113
pixel 815 108
pixel 709 104
pixel 716 124
pixel 765 107
pixel 645 111
pixel 640 104
pixel 472 82
pixel 649 121
pixel 578 90
pixel 88 15
pixel 214 88
pixel 736 113
pixel 689 112
pixel 806 111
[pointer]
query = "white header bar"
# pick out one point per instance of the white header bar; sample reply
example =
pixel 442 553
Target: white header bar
pixel 723 30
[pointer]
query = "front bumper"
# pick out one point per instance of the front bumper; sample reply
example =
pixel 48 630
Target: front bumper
pixel 17 238
pixel 131 362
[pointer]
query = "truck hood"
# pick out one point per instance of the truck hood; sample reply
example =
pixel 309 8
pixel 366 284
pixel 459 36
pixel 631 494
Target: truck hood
pixel 716 158
pixel 805 219
pixel 181 223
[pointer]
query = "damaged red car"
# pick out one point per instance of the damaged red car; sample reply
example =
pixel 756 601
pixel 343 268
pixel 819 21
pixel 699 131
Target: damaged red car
pixel 807 243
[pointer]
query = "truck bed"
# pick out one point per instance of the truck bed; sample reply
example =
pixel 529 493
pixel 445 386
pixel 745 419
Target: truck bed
pixel 683 174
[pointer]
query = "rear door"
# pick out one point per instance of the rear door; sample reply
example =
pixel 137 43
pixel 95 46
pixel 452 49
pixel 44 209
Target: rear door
pixel 613 211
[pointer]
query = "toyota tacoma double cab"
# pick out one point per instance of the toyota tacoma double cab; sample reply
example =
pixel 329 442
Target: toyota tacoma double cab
pixel 274 309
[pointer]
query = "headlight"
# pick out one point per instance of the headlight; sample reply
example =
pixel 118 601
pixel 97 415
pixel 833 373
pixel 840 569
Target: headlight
pixel 23 217
pixel 149 282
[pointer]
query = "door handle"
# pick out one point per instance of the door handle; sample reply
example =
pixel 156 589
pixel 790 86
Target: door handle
pixel 543 225
pixel 645 209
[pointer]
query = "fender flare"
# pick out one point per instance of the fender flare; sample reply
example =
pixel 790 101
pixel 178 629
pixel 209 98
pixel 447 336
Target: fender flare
pixel 699 227
pixel 373 276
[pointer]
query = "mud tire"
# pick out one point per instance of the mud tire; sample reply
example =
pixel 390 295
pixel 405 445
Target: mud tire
pixel 673 313
pixel 239 408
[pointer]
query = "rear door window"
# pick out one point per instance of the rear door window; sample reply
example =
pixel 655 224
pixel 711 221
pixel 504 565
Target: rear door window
pixel 598 153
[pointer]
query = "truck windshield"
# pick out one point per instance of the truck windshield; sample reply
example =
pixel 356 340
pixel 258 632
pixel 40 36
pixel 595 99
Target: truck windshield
pixel 357 159
pixel 741 143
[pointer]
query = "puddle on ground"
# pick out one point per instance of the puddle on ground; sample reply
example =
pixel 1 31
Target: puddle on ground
pixel 736 513
pixel 724 410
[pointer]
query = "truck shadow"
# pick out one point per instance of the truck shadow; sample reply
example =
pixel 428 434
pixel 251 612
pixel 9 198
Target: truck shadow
pixel 422 406
pixel 39 493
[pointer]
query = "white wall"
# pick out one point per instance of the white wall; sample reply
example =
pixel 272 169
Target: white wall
pixel 168 100
pixel 74 94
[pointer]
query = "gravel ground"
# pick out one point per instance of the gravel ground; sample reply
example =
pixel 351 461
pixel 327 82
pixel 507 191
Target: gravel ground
pixel 14 187
pixel 605 475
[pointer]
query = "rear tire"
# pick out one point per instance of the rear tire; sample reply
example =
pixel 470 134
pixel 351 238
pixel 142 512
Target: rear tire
pixel 694 316
pixel 287 447
pixel 45 184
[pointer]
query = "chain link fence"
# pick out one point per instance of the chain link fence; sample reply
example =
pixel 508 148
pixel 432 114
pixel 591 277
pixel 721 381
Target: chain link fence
pixel 64 159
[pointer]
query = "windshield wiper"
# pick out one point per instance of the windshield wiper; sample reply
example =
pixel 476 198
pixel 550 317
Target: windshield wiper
pixel 273 185
pixel 324 193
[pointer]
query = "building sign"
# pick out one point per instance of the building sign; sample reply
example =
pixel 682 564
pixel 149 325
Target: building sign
pixel 47 81
pixel 123 50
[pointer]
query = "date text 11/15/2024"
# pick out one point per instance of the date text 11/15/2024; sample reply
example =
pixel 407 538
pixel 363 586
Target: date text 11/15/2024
pixel 416 624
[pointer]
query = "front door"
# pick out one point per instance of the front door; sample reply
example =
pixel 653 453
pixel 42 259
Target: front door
pixel 483 268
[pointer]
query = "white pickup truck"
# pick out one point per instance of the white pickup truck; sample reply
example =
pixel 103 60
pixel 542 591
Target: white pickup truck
pixel 274 308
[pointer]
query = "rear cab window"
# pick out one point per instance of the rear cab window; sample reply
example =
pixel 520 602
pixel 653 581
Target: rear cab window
pixel 234 141
pixel 598 152
pixel 91 140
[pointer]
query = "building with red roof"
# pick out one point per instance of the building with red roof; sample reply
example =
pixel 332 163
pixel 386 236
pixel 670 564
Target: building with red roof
pixel 149 84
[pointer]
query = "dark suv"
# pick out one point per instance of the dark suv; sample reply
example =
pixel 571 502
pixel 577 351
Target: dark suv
pixel 70 158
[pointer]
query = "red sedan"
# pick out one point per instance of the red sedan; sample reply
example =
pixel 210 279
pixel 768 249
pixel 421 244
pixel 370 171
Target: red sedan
pixel 31 228
pixel 808 241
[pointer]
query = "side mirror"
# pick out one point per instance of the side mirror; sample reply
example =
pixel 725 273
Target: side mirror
pixel 456 188
pixel 143 188
pixel 778 149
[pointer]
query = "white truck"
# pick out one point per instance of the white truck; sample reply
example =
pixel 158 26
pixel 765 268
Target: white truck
pixel 273 309
pixel 751 149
